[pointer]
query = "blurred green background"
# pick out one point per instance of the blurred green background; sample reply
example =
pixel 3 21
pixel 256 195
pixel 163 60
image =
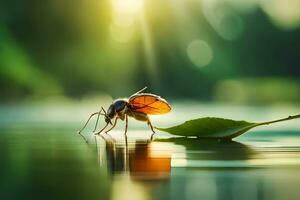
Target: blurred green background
pixel 237 51
pixel 60 60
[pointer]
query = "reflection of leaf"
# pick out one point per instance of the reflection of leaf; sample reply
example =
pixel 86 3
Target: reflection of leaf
pixel 218 150
pixel 210 127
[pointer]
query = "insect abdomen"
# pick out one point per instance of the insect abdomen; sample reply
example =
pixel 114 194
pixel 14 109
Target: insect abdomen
pixel 138 116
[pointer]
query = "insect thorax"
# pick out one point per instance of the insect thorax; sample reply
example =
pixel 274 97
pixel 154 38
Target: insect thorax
pixel 117 107
pixel 120 104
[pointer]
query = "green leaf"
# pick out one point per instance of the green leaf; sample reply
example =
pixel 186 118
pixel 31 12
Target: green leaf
pixel 211 127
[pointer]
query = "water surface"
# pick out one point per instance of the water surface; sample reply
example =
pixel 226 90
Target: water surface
pixel 51 161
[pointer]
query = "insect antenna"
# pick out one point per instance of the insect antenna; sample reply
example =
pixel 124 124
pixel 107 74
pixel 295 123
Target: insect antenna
pixel 140 91
pixel 106 116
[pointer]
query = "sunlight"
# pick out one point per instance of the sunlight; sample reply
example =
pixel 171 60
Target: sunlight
pixel 129 24
pixel 151 62
pixel 128 6
pixel 125 13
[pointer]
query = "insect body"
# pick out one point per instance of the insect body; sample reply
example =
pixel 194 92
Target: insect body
pixel 138 106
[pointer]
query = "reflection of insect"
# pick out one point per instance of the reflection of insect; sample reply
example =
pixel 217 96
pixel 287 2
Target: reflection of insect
pixel 138 106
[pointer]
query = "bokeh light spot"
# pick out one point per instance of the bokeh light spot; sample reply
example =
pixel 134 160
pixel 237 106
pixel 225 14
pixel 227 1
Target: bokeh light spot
pixel 225 20
pixel 284 14
pixel 200 53
pixel 230 26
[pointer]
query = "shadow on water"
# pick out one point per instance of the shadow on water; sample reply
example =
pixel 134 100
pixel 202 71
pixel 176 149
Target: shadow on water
pixel 211 149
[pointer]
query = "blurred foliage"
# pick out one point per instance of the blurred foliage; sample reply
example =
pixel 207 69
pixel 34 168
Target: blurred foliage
pixel 258 90
pixel 20 75
pixel 180 49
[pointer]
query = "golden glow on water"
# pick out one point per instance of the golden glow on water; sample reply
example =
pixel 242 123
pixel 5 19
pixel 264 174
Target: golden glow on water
pixel 125 189
pixel 138 159
pixel 179 163
pixel 159 149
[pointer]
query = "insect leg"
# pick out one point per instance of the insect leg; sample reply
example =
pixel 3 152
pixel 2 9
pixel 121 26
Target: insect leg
pixel 84 138
pixel 113 126
pixel 153 132
pixel 149 123
pixel 126 125
pixel 88 122
pixel 102 129
pixel 98 118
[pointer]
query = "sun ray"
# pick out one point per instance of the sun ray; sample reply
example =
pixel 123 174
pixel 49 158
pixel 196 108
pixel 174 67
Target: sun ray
pixel 151 61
